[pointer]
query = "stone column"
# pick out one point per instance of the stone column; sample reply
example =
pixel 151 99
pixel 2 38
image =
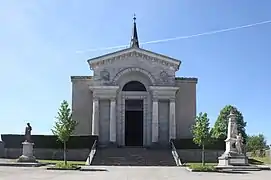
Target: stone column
pixel 113 120
pixel 155 129
pixel 95 116
pixel 172 121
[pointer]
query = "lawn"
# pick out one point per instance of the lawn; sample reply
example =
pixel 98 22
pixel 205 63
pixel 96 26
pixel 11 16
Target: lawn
pixel 59 161
pixel 199 163
pixel 208 167
pixel 260 160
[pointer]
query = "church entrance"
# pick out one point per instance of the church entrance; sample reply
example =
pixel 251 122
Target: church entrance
pixel 134 122
pixel 134 115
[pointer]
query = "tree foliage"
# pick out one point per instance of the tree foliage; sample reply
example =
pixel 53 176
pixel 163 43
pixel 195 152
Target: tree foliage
pixel 256 143
pixel 201 132
pixel 221 125
pixel 64 126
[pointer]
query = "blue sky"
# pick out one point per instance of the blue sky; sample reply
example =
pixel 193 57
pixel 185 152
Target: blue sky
pixel 39 40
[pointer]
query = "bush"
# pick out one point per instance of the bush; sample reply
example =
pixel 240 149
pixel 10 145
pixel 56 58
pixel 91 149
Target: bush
pixel 201 168
pixel 62 165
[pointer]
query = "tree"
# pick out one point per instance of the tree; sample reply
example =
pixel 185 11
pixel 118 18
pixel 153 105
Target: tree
pixel 256 143
pixel 64 126
pixel 220 128
pixel 201 133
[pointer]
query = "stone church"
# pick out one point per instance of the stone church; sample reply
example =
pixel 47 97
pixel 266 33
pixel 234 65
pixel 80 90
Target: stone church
pixel 134 98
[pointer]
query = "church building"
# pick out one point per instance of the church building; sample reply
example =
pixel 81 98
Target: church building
pixel 134 98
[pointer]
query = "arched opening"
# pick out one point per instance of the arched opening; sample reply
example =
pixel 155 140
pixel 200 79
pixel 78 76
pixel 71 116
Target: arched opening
pixel 134 86
pixel 134 115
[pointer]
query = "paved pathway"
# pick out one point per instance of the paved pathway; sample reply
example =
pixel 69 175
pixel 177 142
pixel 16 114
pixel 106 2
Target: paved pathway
pixel 124 173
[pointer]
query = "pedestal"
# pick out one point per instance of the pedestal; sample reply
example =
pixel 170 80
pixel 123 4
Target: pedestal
pixel 27 155
pixel 237 160
pixel 231 157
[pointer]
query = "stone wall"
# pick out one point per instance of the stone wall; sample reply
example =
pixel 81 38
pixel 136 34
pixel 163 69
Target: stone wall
pixel 2 149
pixel 82 106
pixel 104 121
pixel 163 114
pixel 185 107
pixel 194 155
pixel 48 154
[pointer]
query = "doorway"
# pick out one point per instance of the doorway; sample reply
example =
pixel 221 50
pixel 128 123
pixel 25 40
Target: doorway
pixel 134 122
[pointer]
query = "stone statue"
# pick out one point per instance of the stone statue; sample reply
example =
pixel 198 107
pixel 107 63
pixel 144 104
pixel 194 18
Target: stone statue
pixel 239 143
pixel 27 134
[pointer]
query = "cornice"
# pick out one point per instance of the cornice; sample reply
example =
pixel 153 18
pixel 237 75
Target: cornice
pixel 163 88
pixel 186 79
pixel 134 52
pixel 104 88
pixel 81 78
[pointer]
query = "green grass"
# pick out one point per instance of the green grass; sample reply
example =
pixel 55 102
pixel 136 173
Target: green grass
pixel 260 160
pixel 208 167
pixel 61 161
pixel 67 166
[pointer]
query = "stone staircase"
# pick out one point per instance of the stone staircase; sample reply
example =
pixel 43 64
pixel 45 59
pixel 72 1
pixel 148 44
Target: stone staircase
pixel 133 157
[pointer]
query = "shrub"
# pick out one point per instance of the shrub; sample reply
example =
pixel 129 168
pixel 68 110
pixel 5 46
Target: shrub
pixel 62 165
pixel 202 168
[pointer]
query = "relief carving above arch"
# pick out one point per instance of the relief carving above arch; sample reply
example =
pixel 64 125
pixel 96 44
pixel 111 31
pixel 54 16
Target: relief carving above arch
pixel 133 69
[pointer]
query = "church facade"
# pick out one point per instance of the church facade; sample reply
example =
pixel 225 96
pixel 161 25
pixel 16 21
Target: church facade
pixel 134 98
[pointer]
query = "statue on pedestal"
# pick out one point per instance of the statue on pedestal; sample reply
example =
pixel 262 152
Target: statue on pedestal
pixel 239 143
pixel 27 134
pixel 27 155
pixel 233 155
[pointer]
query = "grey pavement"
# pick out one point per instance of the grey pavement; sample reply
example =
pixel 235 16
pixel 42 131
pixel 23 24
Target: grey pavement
pixel 124 173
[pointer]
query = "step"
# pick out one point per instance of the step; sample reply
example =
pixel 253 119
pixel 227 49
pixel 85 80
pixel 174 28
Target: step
pixel 133 157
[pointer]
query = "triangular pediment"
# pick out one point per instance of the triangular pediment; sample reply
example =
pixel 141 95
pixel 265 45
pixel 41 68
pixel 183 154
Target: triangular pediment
pixel 137 52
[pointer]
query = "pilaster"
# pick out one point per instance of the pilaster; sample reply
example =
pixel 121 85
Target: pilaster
pixel 172 120
pixel 104 92
pixel 113 124
pixel 155 123
pixel 165 93
pixel 95 116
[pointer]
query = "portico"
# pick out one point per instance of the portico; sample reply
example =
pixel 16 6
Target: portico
pixel 118 110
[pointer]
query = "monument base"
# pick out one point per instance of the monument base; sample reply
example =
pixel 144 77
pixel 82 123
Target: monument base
pixel 27 155
pixel 234 161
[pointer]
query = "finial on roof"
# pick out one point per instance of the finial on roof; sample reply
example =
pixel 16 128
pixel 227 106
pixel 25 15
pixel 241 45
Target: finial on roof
pixel 134 18
pixel 134 39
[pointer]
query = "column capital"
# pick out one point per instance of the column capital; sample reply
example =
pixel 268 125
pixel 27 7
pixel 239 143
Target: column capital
pixel 112 98
pixel 155 98
pixel 172 99
pixel 95 98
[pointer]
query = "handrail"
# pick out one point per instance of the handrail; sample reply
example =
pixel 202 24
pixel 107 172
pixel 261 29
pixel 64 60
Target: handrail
pixel 175 154
pixel 91 153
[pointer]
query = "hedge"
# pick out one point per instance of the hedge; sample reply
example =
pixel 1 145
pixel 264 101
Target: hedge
pixel 217 144
pixel 49 141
